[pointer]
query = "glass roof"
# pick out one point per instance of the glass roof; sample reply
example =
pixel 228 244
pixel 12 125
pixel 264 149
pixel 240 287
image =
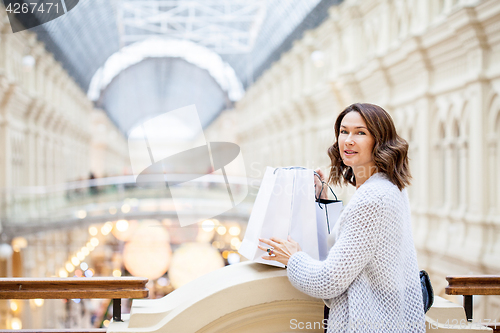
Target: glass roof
pixel 231 42
pixel 146 89
pixel 155 47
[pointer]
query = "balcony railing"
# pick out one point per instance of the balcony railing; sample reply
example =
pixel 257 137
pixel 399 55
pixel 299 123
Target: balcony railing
pixel 246 297
pixel 471 285
pixel 71 288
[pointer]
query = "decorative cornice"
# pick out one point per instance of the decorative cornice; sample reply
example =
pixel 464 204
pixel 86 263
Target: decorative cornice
pixel 468 29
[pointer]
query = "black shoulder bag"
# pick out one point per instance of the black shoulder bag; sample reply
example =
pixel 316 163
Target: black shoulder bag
pixel 428 293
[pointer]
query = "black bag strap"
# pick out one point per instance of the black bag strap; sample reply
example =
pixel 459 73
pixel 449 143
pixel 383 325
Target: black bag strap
pixel 322 187
pixel 325 202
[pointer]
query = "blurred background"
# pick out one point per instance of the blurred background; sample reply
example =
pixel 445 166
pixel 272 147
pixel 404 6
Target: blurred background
pixel 267 75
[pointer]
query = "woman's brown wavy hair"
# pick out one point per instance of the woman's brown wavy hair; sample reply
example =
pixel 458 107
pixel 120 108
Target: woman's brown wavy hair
pixel 390 151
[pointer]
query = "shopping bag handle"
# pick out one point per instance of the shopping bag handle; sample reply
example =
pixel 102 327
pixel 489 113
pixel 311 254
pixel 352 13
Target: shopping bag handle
pixel 318 200
pixel 316 174
pixel 291 168
pixel 296 168
pixel 322 186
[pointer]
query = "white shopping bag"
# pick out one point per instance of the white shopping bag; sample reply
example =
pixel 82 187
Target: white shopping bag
pixel 284 206
pixel 263 201
pixel 327 214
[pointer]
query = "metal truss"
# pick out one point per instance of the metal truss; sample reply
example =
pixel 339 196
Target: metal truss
pixel 224 26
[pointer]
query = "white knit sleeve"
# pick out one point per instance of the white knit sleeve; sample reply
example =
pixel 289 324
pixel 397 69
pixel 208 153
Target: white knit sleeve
pixel 355 247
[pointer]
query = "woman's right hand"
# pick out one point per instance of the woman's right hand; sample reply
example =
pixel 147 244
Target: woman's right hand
pixel 318 184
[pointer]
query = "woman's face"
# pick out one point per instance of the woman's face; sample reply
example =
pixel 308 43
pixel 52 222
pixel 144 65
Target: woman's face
pixel 355 142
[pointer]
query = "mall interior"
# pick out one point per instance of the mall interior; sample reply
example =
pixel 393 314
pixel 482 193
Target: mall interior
pixel 93 101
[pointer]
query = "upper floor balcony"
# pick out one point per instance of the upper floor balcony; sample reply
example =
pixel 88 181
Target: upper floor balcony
pixel 39 208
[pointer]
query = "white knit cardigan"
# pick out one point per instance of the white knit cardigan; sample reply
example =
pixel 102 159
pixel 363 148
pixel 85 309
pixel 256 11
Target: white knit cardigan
pixel 370 279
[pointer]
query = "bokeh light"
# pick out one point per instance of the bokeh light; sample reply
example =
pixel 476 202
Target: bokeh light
pixel 16 323
pixel 63 273
pixel 208 225
pixel 80 256
pixel 124 229
pixel 233 258
pixel 19 243
pixel 122 225
pixel 81 214
pixel 221 230
pixel 13 306
pixel 148 252
pixel 38 302
pixel 75 261
pixel 125 208
pixel 192 260
pixel 69 267
pixel 94 242
pixel 93 231
pixel 234 231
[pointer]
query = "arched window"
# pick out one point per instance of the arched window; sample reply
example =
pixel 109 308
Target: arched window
pixel 437 161
pixel 440 7
pixel 496 164
pixel 457 184
pixel 438 172
pixel 398 27
pixel 493 154
pixel 414 169
pixel 409 21
pixel 17 161
pixel 437 8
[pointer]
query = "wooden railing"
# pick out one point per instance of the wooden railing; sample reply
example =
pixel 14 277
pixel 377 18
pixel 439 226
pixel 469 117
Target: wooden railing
pixel 470 285
pixel 71 288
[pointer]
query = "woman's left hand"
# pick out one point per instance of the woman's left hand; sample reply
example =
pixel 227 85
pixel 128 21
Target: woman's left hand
pixel 282 249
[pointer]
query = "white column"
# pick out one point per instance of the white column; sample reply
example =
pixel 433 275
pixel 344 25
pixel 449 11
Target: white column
pixel 477 167
pixel 464 185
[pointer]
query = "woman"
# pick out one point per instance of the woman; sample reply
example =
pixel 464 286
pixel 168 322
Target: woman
pixel 370 279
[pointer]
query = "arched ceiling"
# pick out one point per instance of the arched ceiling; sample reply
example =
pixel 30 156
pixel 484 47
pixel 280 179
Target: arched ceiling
pixel 158 85
pixel 248 35
pixel 155 47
